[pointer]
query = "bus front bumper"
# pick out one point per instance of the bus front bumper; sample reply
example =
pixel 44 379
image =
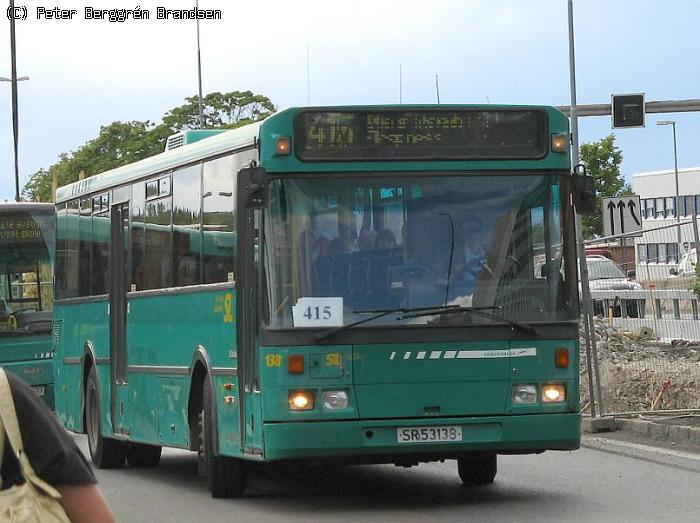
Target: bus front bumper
pixel 379 438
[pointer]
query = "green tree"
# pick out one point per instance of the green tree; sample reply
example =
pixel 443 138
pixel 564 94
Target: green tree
pixel 220 111
pixel 121 143
pixel 602 160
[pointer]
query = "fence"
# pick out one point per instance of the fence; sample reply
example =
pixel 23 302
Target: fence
pixel 645 354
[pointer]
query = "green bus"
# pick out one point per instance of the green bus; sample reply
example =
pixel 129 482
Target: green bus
pixel 26 293
pixel 380 284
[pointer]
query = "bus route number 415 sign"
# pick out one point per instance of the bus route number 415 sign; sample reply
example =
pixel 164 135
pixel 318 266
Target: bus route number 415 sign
pixel 318 312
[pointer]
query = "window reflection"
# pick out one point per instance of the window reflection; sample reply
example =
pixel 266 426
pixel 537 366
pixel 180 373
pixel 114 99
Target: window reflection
pixel 186 225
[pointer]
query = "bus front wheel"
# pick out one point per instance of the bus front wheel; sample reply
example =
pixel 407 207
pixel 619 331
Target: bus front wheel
pixel 226 476
pixel 477 468
pixel 106 453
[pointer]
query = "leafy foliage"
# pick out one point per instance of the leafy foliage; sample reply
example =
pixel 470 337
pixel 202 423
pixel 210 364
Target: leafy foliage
pixel 602 160
pixel 220 111
pixel 121 143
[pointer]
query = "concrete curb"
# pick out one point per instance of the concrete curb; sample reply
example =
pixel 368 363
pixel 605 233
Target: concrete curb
pixel 677 459
pixel 684 434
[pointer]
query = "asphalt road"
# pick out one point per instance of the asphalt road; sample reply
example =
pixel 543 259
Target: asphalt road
pixel 586 485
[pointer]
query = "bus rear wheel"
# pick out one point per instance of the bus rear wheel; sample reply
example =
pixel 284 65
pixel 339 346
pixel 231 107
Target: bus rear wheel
pixel 477 468
pixel 226 476
pixel 143 455
pixel 106 453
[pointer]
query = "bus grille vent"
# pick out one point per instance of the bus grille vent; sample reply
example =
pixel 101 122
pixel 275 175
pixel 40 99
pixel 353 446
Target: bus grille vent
pixel 174 141
pixel 57 331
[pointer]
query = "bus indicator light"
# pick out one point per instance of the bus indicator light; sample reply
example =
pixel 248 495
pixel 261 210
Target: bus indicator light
pixel 301 400
pixel 283 146
pixel 295 364
pixel 561 358
pixel 559 143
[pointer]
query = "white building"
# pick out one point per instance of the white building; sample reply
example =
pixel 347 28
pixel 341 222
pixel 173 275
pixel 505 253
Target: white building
pixel 658 251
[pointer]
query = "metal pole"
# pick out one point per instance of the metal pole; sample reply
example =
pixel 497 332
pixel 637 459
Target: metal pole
pixel 199 73
pixel 437 89
pixel 15 107
pixel 583 267
pixel 678 201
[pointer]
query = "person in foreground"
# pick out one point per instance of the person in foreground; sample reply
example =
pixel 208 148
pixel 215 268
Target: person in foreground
pixel 54 457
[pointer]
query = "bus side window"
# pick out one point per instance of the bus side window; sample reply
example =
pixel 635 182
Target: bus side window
pixel 218 218
pixel 187 215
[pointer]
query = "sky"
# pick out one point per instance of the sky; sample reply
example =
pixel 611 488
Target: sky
pixel 84 73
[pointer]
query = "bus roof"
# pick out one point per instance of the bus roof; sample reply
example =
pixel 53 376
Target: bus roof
pixel 212 146
pixel 246 135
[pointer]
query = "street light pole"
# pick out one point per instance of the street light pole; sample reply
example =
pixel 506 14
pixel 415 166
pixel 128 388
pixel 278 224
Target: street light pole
pixel 15 111
pixel 672 123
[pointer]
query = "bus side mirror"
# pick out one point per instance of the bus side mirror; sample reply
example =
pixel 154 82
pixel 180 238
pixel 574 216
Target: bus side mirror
pixel 252 181
pixel 583 191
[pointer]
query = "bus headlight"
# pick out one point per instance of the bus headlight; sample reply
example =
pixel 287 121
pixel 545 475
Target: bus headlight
pixel 524 393
pixel 553 393
pixel 301 400
pixel 335 399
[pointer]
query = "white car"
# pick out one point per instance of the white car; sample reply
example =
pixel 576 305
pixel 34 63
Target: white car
pixel 606 275
pixel 682 275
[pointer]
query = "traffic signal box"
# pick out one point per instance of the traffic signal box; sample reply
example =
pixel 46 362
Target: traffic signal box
pixel 627 110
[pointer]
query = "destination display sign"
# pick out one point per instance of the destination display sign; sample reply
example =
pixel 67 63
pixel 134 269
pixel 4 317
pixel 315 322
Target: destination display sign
pixel 433 134
pixel 19 228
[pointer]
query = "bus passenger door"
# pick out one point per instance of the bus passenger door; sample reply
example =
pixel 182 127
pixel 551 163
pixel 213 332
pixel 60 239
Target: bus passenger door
pixel 117 318
pixel 247 290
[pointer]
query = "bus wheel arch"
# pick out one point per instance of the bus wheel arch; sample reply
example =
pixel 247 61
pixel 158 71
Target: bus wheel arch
pixel 226 476
pixel 196 403
pixel 106 453
pixel 89 363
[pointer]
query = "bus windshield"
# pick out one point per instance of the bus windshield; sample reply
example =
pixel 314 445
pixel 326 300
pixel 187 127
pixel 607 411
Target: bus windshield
pixel 26 286
pixel 341 246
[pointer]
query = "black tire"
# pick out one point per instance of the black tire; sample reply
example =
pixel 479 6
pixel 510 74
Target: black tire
pixel 477 468
pixel 106 453
pixel 143 455
pixel 226 476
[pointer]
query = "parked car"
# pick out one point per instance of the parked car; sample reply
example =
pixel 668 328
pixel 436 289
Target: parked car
pixel 606 275
pixel 682 275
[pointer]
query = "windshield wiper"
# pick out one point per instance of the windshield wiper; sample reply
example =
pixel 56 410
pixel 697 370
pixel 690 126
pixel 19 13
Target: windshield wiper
pixel 479 311
pixel 380 313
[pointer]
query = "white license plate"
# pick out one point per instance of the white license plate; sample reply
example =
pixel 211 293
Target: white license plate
pixel 429 434
pixel 39 390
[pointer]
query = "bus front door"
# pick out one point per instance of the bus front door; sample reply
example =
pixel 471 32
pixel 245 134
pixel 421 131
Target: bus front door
pixel 247 270
pixel 118 317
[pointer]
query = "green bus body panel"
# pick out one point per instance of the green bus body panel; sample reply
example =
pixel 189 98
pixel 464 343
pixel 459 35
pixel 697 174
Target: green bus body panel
pixel 80 325
pixel 163 333
pixel 416 385
pixel 351 438
pixel 30 358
